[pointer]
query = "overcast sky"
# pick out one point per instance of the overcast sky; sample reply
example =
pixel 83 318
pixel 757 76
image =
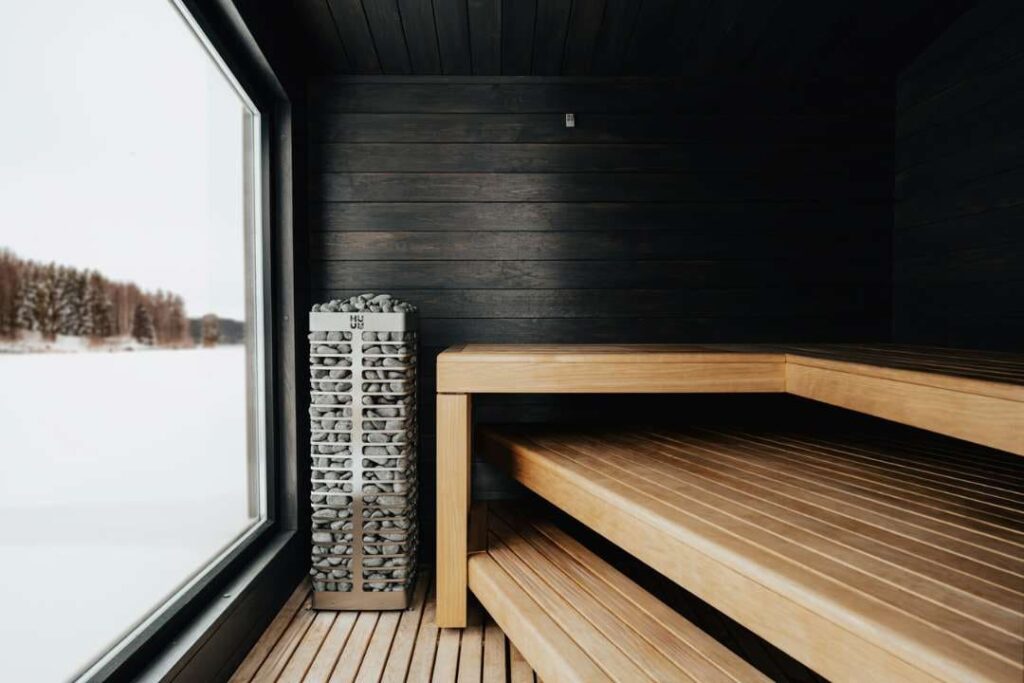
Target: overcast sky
pixel 121 149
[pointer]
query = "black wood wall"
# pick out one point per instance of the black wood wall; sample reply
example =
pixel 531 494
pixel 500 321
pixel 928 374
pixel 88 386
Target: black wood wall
pixel 959 216
pixel 673 212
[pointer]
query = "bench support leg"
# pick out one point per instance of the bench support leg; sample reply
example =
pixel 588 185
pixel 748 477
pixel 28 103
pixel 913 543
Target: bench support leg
pixel 454 449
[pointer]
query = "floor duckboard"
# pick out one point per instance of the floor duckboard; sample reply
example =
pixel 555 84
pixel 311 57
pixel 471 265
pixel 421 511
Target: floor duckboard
pixel 305 645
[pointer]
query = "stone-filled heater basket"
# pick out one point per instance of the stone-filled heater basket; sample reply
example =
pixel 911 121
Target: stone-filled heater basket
pixel 363 438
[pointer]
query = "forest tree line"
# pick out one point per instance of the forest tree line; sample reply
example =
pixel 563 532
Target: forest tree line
pixel 53 299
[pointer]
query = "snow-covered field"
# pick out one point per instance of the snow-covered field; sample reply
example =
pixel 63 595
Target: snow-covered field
pixel 33 342
pixel 121 474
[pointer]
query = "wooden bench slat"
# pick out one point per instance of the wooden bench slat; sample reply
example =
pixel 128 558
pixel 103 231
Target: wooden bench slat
pixel 602 650
pixel 678 639
pixel 968 363
pixel 976 396
pixel 621 628
pixel 860 459
pixel 979 517
pixel 930 561
pixel 621 644
pixel 740 454
pixel 964 409
pixel 553 654
pixel 837 590
pixel 682 503
pixel 986 565
pixel 800 541
pixel 932 453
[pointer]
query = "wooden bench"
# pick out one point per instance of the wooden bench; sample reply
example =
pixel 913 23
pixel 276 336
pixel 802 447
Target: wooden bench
pixel 869 556
pixel 575 618
pixel 973 396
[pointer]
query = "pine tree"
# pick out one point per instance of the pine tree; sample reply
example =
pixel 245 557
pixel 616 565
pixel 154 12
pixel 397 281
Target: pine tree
pixel 10 269
pixel 45 301
pixel 142 326
pixel 25 298
pixel 177 324
pixel 98 314
pixel 81 292
pixel 70 294
pixel 52 300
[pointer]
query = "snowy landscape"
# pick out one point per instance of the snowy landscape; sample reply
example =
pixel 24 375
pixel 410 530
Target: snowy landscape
pixel 123 458
pixel 125 221
pixel 121 474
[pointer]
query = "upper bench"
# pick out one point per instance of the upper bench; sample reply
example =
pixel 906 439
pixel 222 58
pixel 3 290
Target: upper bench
pixel 975 396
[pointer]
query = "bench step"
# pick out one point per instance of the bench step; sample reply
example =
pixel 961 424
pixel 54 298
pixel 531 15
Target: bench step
pixel 575 618
pixel 888 556
pixel 977 396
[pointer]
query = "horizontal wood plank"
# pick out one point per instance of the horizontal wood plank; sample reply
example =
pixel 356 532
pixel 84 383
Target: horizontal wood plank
pixel 469 196
pixel 838 326
pixel 553 654
pixel 593 128
pixel 556 369
pixel 392 647
pixel 729 243
pixel 713 157
pixel 974 396
pixel 591 187
pixel 563 217
pixel 497 302
pixel 424 281
pixel 988 420
pixel 745 544
pixel 622 95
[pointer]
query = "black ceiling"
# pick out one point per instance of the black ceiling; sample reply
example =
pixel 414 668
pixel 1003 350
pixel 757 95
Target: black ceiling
pixel 782 38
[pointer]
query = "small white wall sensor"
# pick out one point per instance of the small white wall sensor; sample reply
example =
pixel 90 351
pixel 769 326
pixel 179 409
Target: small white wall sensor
pixel 570 120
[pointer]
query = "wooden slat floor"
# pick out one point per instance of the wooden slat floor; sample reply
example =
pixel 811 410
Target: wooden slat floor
pixel 920 540
pixel 337 647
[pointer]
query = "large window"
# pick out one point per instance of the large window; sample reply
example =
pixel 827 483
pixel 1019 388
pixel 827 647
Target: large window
pixel 132 436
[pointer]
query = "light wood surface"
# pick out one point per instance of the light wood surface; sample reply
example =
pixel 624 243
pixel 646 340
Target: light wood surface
pixel 860 556
pixel 553 654
pixel 981 411
pixel 976 396
pixel 998 367
pixel 483 368
pixel 583 620
pixel 454 449
pixel 302 644
pixel 273 635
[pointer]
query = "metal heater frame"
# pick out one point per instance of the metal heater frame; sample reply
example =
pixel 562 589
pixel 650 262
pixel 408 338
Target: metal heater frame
pixel 356 325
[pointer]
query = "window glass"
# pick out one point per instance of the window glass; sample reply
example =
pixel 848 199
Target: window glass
pixel 130 324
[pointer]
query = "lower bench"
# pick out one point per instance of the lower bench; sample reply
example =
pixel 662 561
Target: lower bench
pixel 575 618
pixel 883 556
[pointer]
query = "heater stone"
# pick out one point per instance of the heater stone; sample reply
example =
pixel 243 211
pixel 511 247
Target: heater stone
pixel 363 438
